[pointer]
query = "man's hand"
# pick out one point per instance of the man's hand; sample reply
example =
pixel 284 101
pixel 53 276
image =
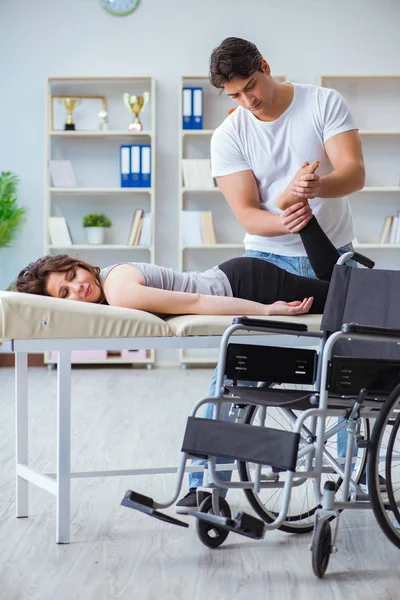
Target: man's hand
pixel 290 308
pixel 305 185
pixel 296 217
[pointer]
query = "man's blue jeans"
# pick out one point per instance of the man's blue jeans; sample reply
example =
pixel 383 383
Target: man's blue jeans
pixel 299 265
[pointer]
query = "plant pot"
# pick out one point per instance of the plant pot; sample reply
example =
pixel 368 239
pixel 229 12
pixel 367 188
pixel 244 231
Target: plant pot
pixel 95 235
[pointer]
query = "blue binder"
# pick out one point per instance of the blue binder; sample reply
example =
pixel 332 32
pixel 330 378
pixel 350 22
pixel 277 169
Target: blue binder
pixel 124 166
pixel 135 166
pixel 197 108
pixel 145 165
pixel 187 108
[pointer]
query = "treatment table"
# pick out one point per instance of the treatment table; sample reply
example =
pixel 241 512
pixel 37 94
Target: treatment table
pixel 37 324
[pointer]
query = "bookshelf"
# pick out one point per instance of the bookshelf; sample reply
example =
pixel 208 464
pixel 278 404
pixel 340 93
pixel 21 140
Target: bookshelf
pixel 195 144
pixel 94 153
pixel 373 100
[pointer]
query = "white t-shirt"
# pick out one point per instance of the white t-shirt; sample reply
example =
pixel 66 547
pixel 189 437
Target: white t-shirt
pixel 275 151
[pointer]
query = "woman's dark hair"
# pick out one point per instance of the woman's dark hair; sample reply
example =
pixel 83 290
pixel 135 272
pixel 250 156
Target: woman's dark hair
pixel 33 279
pixel 234 57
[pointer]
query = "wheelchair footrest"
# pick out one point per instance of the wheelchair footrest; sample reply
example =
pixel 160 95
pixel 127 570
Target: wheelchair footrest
pixel 241 523
pixel 145 505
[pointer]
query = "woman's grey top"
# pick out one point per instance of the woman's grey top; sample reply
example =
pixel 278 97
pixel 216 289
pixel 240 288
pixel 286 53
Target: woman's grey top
pixel 213 282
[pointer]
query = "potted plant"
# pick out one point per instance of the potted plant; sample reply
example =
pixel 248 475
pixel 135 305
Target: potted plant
pixel 95 225
pixel 11 215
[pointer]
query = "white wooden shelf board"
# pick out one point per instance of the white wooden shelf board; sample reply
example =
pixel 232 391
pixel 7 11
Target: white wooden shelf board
pixel 377 246
pixel 197 132
pixel 379 131
pixel 89 190
pixel 101 247
pixel 211 246
pixel 187 190
pixel 105 134
pixel 380 188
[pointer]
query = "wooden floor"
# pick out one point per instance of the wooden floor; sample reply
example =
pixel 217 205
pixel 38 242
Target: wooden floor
pixel 125 418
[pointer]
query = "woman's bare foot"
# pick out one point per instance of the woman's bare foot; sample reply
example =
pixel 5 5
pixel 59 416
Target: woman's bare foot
pixel 287 199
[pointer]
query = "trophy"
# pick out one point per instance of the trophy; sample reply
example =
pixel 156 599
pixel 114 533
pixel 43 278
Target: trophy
pixel 136 104
pixel 70 104
pixel 103 115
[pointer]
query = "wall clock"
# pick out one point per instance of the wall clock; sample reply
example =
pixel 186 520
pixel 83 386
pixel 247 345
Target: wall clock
pixel 120 8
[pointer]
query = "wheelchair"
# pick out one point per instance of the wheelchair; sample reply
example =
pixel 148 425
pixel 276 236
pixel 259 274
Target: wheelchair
pixel 285 432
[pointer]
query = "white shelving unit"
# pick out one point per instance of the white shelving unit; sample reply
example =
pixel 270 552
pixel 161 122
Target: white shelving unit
pixel 95 158
pixel 374 101
pixel 195 143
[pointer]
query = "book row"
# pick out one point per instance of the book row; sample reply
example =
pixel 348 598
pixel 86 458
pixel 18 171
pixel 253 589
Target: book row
pixel 196 173
pixel 197 228
pixel 390 233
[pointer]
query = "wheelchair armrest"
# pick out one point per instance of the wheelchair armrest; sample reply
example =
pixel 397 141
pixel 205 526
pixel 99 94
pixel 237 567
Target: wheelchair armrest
pixel 370 330
pixel 249 322
pixel 363 260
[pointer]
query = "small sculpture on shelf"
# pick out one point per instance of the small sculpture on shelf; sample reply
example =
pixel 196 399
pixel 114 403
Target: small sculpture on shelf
pixel 136 105
pixel 95 225
pixel 103 115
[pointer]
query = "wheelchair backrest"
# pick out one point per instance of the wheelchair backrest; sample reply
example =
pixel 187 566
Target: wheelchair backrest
pixel 366 297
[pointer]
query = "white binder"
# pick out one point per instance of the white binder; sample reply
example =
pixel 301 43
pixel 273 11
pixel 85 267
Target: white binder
pixel 136 180
pixel 197 121
pixel 187 108
pixel 146 165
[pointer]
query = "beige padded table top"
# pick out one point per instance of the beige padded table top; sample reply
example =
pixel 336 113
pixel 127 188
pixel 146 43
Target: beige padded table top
pixel 188 325
pixel 26 316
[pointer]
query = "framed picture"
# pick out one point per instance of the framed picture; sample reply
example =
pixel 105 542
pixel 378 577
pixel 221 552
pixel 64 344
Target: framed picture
pixel 84 114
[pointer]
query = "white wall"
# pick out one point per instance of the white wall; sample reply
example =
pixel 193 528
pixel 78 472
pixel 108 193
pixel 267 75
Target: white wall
pixel 164 38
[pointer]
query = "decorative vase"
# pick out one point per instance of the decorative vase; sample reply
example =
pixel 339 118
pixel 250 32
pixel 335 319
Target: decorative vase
pixel 95 235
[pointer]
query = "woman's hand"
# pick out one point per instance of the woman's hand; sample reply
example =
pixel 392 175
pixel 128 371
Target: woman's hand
pixel 290 308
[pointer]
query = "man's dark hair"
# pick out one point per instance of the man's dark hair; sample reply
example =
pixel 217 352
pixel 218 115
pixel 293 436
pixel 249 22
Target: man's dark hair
pixel 234 57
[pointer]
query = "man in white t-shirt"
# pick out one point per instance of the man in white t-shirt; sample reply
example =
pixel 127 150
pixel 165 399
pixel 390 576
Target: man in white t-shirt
pixel 257 155
pixel 257 150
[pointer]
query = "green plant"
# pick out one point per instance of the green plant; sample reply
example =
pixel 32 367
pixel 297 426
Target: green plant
pixel 11 216
pixel 94 220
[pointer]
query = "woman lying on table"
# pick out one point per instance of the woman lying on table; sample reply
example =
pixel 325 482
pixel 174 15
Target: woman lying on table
pixel 240 286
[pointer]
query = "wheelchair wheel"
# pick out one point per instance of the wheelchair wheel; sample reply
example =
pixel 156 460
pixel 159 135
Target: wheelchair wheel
pixel 302 506
pixel 322 547
pixel 210 535
pixel 384 468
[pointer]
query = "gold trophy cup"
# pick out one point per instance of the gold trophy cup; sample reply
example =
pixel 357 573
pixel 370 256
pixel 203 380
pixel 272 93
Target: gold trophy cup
pixel 136 104
pixel 70 104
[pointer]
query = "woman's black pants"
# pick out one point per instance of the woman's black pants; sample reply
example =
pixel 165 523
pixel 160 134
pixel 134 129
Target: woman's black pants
pixel 258 280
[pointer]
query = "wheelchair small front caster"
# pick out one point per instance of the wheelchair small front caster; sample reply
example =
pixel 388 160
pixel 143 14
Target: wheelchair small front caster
pixel 209 534
pixel 321 547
